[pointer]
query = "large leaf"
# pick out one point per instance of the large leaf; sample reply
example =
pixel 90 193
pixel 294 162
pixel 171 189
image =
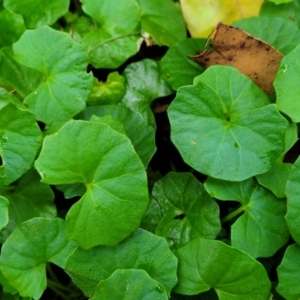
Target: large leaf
pixel 288 273
pixel 176 68
pixel 20 138
pixel 233 274
pixel 143 85
pixel 223 122
pixel 286 85
pixel 27 250
pixel 142 250
pixel 29 196
pixel 104 160
pixel 140 133
pixel 261 230
pixel 187 209
pixel 130 283
pixel 38 12
pixel 283 34
pixel 67 85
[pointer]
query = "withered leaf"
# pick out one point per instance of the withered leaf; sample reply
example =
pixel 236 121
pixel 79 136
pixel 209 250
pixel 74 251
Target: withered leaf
pixel 234 47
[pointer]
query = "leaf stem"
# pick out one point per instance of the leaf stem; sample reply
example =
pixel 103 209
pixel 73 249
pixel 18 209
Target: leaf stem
pixel 56 289
pixel 114 38
pixel 233 214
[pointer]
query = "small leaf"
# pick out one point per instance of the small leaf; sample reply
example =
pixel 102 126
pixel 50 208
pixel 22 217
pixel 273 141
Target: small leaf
pixel 37 13
pixel 20 138
pixel 143 85
pixel 188 210
pixel 130 283
pixel 216 133
pixel 66 77
pixel 288 273
pixel 261 230
pixel 176 68
pixel 139 132
pixel 25 253
pixel 3 212
pixel 205 264
pixel 142 250
pixel 286 85
pixel 116 196
pixel 29 196
pixel 110 92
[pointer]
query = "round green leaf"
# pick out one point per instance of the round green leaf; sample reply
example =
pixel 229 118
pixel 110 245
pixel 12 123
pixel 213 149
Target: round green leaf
pixel 176 68
pixel 105 161
pixel 139 132
pixel 20 138
pixel 142 250
pixel 12 32
pixel 281 33
pixel 131 284
pixel 38 12
pixel 293 193
pixel 67 85
pixel 222 123
pixel 3 212
pixel 205 264
pixel 28 199
pixel 261 230
pixel 143 85
pixel 289 273
pixel 286 85
pixel 25 253
pixel 188 210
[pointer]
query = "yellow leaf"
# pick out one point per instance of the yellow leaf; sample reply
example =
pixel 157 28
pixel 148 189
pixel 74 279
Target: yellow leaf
pixel 202 16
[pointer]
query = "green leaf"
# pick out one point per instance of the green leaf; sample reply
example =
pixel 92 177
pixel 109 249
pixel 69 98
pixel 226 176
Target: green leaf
pixel 37 12
pixel 162 20
pixel 3 212
pixel 10 34
pixel 143 85
pixel 139 132
pixel 66 76
pixel 131 284
pixel 27 250
pixel 293 194
pixel 116 196
pixel 188 210
pixel 205 264
pixel 288 273
pixel 20 138
pixel 261 230
pixel 6 287
pixel 117 37
pixel 283 34
pixel 17 76
pixel 110 92
pixel 222 123
pixel 286 85
pixel 280 1
pixel 72 190
pixel 142 250
pixel 176 68
pixel 29 196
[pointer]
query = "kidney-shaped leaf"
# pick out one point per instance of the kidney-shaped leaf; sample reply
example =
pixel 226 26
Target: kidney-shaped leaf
pixel 261 230
pixel 27 250
pixel 222 123
pixel 67 84
pixel 38 12
pixel 205 264
pixel 20 138
pixel 105 161
pixel 287 86
pixel 188 210
pixel 128 285
pixel 142 250
pixel 289 274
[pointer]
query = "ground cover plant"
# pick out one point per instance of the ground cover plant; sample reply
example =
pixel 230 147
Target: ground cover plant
pixel 129 171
